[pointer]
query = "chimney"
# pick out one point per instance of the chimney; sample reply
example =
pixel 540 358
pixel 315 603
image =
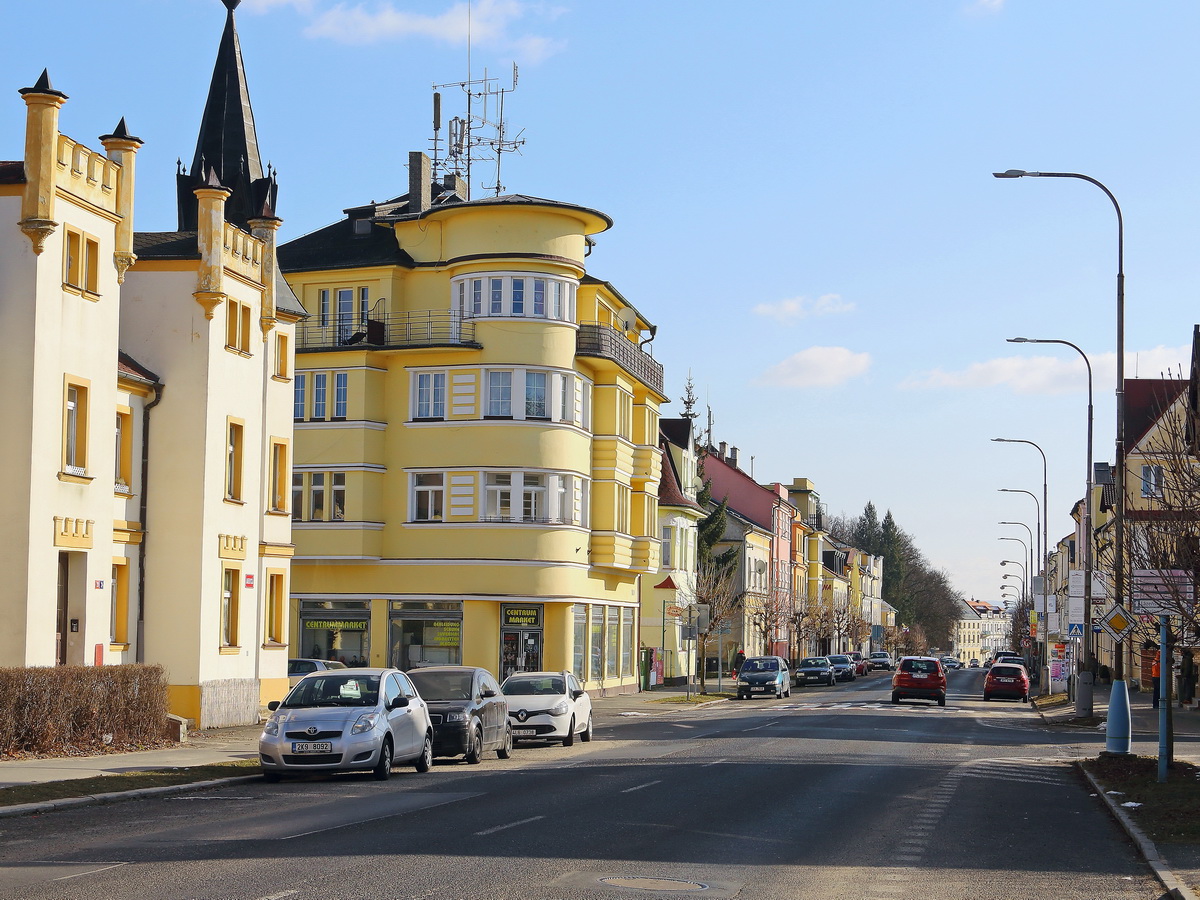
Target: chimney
pixel 722 447
pixel 419 174
pixel 452 181
pixel 733 456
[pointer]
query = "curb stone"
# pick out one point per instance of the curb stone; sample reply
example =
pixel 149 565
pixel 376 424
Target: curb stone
pixel 1162 870
pixel 27 809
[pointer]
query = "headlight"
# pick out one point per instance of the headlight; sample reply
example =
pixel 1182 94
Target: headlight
pixel 366 722
pixel 272 727
pixel 456 717
pixel 561 708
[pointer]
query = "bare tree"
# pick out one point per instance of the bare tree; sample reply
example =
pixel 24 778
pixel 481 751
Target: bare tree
pixel 770 613
pixel 715 585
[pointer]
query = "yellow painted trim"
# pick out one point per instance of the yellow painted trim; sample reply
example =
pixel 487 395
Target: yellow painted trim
pixel 127 524
pixel 125 536
pixel 282 551
pixel 184 700
pixel 12 190
pixel 67 533
pixel 118 648
pixel 231 546
pixel 230 651
pixel 75 479
pixel 63 194
pixel 130 386
pixel 272 689
pixel 168 265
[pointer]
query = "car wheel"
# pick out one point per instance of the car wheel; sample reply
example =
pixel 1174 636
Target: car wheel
pixel 1025 699
pixel 986 696
pixel 383 768
pixel 586 734
pixel 474 754
pixel 895 697
pixel 942 700
pixel 272 777
pixel 506 748
pixel 424 762
pixel 570 738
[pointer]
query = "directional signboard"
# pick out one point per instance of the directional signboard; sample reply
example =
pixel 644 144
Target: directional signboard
pixel 1118 623
pixel 1162 592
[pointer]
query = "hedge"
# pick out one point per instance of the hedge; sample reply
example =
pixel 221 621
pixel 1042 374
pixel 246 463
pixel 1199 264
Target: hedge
pixel 78 710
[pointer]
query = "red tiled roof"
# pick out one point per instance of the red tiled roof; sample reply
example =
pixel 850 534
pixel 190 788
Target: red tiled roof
pixel 669 492
pixel 130 367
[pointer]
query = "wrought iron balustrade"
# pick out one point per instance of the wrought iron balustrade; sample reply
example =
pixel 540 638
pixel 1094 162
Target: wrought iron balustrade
pixel 426 328
pixel 606 342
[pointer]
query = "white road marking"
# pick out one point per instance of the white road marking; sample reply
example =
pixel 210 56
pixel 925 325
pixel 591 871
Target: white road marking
pixel 280 895
pixel 509 825
pixel 640 786
pixel 90 871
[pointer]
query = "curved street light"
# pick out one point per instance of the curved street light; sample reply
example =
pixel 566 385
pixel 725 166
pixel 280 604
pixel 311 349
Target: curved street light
pixel 1083 692
pixel 1119 732
pixel 1044 546
pixel 1028 531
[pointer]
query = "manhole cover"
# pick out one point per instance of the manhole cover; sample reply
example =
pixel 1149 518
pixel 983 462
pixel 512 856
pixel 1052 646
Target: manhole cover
pixel 637 883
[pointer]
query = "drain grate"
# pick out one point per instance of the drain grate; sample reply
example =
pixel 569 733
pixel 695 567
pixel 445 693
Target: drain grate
pixel 638 883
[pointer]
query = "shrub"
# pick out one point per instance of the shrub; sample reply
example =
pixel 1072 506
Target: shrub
pixel 76 710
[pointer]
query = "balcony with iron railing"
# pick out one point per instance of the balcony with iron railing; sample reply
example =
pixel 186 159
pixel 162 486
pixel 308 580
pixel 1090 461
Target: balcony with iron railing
pixel 605 342
pixel 423 328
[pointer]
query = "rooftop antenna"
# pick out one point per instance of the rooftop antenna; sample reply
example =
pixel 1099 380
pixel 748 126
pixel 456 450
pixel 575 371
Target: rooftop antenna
pixel 477 135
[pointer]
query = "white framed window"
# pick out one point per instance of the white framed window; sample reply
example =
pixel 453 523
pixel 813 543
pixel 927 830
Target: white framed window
pixel 297 495
pixel 428 495
pixel 324 306
pixel 566 398
pixel 316 496
pixel 498 495
pixel 341 392
pixel 499 399
pixel 522 295
pixel 337 496
pixel 299 395
pixel 431 395
pixel 1152 481
pixel 320 380
pixel 533 498
pixel 364 306
pixel 345 314
pixel 536 401
pixel 667 540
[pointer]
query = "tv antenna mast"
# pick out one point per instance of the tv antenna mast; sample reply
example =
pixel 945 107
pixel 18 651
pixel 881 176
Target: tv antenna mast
pixel 479 136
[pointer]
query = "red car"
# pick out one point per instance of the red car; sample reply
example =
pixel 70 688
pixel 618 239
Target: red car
pixel 922 677
pixel 862 666
pixel 1006 680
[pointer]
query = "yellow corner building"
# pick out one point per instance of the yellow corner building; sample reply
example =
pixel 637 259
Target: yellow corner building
pixel 476 439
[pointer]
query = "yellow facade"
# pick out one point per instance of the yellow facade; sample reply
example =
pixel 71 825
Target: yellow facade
pixel 476 463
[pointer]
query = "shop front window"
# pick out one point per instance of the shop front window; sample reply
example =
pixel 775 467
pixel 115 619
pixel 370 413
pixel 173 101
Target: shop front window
pixel 425 634
pixel 613 634
pixel 580 641
pixel 596 647
pixel 627 642
pixel 337 630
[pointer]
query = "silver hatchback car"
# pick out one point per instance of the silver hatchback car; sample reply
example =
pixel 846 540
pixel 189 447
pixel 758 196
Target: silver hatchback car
pixel 345 720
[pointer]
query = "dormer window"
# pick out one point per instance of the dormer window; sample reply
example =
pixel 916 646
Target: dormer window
pixel 362 226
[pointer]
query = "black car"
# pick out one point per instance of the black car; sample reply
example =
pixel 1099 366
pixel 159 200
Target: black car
pixel 468 712
pixel 814 670
pixel 843 667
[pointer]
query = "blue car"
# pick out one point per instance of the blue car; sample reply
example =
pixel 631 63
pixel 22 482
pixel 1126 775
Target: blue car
pixel 764 675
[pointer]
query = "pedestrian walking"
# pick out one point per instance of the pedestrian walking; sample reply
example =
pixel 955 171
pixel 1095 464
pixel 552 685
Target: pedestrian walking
pixel 737 662
pixel 1187 678
pixel 1155 678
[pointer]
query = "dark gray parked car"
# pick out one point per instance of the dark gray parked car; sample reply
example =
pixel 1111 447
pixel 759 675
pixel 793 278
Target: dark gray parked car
pixel 814 670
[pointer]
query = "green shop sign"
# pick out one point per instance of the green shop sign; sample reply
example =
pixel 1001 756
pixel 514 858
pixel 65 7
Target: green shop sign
pixel 335 624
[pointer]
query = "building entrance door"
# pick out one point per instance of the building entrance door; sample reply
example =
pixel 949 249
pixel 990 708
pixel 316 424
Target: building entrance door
pixel 520 651
pixel 60 628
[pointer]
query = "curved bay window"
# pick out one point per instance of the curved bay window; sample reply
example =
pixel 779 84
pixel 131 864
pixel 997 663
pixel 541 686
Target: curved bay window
pixel 529 296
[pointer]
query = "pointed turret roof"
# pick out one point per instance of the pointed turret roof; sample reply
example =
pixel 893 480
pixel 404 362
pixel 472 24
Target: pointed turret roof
pixel 228 143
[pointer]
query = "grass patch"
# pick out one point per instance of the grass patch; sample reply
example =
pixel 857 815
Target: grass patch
pixel 695 698
pixel 124 781
pixel 1170 812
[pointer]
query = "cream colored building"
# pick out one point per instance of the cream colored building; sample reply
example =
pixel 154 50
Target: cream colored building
pixel 154 435
pixel 477 461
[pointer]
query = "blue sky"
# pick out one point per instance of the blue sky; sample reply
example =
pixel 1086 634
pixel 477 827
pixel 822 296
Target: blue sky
pixel 802 198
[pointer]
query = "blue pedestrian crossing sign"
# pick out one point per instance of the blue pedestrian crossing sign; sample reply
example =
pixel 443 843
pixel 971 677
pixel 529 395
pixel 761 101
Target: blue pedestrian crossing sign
pixel 1075 629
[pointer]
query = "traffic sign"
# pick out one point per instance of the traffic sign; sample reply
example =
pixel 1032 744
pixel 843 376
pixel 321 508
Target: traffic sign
pixel 1075 629
pixel 1118 623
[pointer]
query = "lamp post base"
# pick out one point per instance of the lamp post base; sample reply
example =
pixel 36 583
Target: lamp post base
pixel 1117 733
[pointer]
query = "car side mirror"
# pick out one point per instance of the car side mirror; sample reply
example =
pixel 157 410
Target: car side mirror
pixel 576 694
pixel 273 705
pixel 398 703
pixel 488 692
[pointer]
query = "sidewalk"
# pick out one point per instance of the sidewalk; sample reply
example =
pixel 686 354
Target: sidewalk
pixel 219 745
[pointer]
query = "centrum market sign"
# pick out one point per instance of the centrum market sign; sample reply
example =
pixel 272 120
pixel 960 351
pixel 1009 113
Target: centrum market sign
pixel 528 616
pixel 335 625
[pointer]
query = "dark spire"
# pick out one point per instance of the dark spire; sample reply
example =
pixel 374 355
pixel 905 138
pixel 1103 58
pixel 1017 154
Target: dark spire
pixel 227 143
pixel 43 85
pixel 121 132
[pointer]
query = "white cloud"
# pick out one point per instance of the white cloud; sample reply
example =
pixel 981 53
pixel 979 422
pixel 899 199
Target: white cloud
pixel 489 23
pixel 986 7
pixel 796 308
pixel 817 367
pixel 1056 374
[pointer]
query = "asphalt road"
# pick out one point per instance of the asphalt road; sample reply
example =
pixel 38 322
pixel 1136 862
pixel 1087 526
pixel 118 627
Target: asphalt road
pixel 832 793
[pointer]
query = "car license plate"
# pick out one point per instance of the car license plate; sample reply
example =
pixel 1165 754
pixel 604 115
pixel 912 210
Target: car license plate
pixel 920 675
pixel 524 732
pixel 312 747
pixel 759 688
pixel 1006 680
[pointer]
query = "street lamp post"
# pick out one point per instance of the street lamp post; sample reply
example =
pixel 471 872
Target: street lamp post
pixel 1028 531
pixel 1037 518
pixel 1118 731
pixel 1085 676
pixel 1043 553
